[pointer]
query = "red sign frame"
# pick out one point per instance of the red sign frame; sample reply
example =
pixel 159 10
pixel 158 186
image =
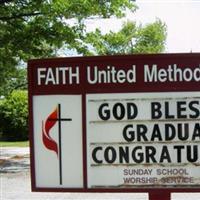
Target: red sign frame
pixel 162 61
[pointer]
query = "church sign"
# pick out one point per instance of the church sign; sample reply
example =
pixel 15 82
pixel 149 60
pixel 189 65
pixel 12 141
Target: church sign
pixel 115 123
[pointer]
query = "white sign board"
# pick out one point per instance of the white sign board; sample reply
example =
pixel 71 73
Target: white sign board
pixel 58 161
pixel 143 139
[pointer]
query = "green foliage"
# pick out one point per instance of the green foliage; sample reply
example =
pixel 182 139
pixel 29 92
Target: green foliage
pixel 17 80
pixel 37 29
pixel 130 39
pixel 14 116
pixel 151 38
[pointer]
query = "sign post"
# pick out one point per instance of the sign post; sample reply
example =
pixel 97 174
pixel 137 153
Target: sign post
pixel 115 124
pixel 155 195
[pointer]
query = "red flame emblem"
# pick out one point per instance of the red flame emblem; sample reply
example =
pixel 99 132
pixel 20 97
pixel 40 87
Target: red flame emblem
pixel 48 141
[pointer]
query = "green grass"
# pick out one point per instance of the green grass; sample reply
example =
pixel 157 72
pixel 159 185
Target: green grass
pixel 14 144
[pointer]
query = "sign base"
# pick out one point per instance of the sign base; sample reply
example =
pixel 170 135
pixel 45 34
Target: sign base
pixel 155 195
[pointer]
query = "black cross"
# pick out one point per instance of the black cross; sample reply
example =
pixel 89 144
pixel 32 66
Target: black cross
pixel 59 119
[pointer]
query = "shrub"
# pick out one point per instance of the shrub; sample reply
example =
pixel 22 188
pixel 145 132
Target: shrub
pixel 14 116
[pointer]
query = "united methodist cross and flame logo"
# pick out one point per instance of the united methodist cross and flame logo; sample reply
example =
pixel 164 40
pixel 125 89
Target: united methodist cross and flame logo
pixel 53 119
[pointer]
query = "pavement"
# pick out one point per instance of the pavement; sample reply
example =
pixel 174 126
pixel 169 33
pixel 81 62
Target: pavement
pixel 14 160
pixel 15 183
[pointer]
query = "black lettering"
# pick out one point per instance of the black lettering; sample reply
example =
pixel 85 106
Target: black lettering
pixel 132 111
pixel 150 154
pixel 104 112
pixel 110 154
pixel 165 155
pixel 167 114
pixel 128 135
pixel 118 111
pixel 181 107
pixel 179 153
pixel 123 155
pixel 94 155
pixel 170 132
pixel 192 157
pixel 141 132
pixel 156 133
pixel 183 131
pixel 156 110
pixel 195 110
pixel 196 132
pixel 139 158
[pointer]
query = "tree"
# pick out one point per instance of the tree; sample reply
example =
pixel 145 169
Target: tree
pixel 129 40
pixel 17 80
pixel 36 29
pixel 14 116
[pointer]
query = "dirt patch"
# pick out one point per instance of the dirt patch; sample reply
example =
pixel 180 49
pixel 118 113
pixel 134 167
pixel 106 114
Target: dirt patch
pixel 15 165
pixel 2 161
pixel 17 157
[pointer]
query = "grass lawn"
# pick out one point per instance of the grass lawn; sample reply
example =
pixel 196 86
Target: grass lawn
pixel 14 144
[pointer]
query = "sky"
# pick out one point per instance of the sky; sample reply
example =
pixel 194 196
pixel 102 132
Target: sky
pixel 182 18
